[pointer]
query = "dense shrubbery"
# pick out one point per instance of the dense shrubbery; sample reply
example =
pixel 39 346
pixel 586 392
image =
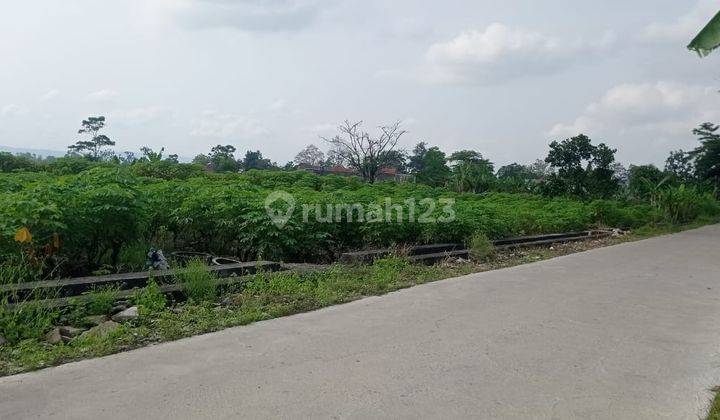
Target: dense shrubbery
pixel 104 216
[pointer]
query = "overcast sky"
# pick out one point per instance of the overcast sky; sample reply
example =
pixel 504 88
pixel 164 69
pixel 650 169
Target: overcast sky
pixel 504 78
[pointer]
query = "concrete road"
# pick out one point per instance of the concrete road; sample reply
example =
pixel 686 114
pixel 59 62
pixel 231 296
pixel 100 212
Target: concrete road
pixel 625 332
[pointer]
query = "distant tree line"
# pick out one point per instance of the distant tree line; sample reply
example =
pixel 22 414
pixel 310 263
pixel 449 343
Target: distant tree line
pixel 573 167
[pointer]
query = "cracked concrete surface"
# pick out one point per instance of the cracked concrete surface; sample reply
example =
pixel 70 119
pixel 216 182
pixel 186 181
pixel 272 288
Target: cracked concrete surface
pixel 625 332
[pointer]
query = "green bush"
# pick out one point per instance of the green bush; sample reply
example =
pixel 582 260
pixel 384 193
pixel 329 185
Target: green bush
pixel 101 299
pixel 30 319
pixel 385 273
pixel 480 247
pixel 684 204
pixel 608 213
pixel 197 282
pixel 150 299
pixel 109 215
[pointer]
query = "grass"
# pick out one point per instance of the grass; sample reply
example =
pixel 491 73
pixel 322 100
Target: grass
pixel 197 282
pixel 100 299
pixel 480 247
pixel 150 299
pixel 714 413
pixel 265 296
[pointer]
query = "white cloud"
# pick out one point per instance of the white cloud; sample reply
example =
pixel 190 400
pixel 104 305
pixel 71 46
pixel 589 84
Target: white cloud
pixel 250 15
pixel 104 95
pixel 13 110
pixel 141 115
pixel 321 128
pixel 661 110
pixel 686 26
pixel 282 108
pixel 219 125
pixel 499 53
pixel 50 95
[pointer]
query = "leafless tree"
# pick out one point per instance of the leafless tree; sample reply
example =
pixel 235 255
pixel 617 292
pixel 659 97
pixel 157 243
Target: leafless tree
pixel 365 153
pixel 334 157
pixel 310 155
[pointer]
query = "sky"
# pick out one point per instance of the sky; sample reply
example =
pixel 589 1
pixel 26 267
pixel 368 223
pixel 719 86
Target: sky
pixel 504 78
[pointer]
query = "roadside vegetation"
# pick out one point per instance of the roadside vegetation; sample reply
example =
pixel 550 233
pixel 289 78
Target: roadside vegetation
pixel 264 296
pixel 714 413
pixel 98 212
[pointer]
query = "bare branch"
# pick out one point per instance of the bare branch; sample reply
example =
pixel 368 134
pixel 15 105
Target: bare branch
pixel 366 154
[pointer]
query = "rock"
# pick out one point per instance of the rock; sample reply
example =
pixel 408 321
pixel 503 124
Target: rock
pixel 177 310
pixel 101 330
pixel 3 341
pixel 126 315
pixel 53 337
pixel 118 308
pixel 70 332
pixel 94 320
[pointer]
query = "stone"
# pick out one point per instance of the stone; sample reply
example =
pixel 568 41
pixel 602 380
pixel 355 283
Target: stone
pixel 126 315
pixel 53 337
pixel 94 320
pixel 118 308
pixel 70 332
pixel 3 341
pixel 101 330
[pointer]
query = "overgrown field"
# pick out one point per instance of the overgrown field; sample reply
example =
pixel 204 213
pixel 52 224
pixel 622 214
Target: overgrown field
pixel 107 218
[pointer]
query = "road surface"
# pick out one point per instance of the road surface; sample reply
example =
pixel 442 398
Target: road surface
pixel 625 332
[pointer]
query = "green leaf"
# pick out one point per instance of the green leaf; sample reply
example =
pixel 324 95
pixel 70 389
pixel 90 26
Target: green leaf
pixel 708 39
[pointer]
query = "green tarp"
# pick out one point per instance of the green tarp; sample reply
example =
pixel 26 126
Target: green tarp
pixel 708 39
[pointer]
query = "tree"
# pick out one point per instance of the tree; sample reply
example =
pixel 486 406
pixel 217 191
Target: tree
pixel 473 176
pixel 10 163
pixel 255 160
pixel 150 155
pixel 583 170
pixel 202 159
pixel 364 153
pixel 429 165
pixel 466 156
pixel 515 171
pixel 680 166
pixel 397 159
pixel 311 155
pixel 93 148
pixel 334 157
pixel 471 172
pixel 603 172
pixel 222 158
pixel 127 158
pixel 707 156
pixel 517 178
pixel 643 180
pixel 540 169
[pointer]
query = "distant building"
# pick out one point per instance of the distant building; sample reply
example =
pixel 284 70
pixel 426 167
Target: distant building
pixel 385 174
